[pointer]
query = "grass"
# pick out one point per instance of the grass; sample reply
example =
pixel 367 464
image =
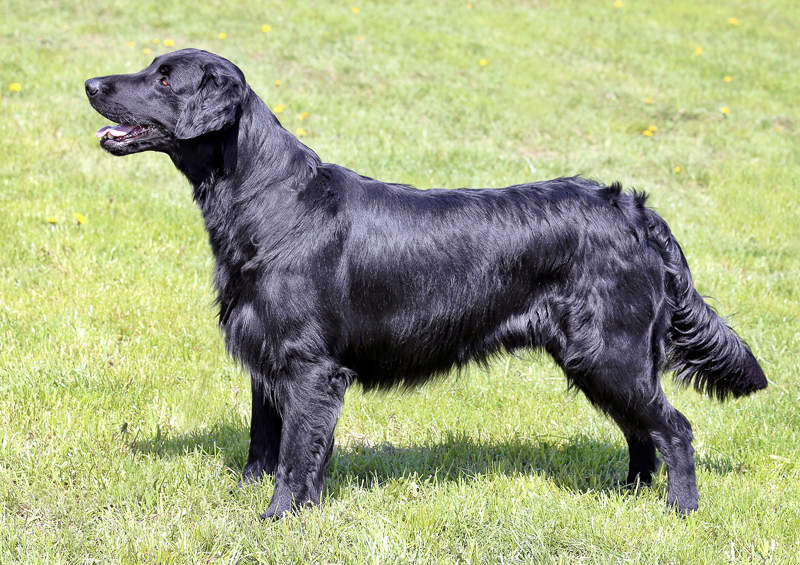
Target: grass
pixel 123 426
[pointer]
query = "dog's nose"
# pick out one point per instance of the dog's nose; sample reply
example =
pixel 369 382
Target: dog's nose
pixel 92 87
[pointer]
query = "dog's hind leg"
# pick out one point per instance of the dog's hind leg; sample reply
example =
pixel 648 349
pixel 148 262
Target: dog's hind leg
pixel 642 451
pixel 310 398
pixel 659 426
pixel 649 422
pixel 672 435
pixel 265 435
pixel 614 356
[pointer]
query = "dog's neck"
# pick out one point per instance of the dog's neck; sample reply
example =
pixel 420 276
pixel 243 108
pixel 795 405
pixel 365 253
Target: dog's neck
pixel 247 180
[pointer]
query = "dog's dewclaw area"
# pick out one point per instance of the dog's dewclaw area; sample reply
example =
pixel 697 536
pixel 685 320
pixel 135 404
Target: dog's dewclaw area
pixel 124 424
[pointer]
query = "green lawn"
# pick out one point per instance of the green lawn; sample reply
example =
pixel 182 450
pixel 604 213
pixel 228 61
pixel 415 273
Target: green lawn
pixel 123 425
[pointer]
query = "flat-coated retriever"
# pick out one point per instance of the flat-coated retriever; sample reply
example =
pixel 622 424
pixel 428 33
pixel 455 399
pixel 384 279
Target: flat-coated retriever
pixel 326 277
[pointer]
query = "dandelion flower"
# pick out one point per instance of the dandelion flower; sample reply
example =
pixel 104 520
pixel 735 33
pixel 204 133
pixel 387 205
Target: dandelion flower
pixel 131 44
pixel 618 4
pixel 648 100
pixel 300 132
pixel 266 28
pixel 725 110
pixel 355 9
pixel 279 108
pixel 469 5
pixel 302 116
pixel 51 220
pixel 277 82
pixel 222 35
pixel 653 128
pixel 169 43
pixel 15 87
pixel 647 133
pixel 697 51
pixel 483 62
pixel 360 38
pixel 733 21
pixel 80 218
pixel 146 50
pixel 728 78
pixel 156 41
pixel 676 170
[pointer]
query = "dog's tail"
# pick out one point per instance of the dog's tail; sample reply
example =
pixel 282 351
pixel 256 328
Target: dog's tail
pixel 701 348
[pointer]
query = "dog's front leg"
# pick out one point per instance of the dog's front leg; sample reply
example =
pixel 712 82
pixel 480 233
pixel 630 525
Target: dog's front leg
pixel 310 398
pixel 265 434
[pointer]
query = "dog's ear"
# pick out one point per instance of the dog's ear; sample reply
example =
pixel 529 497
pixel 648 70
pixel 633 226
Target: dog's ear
pixel 213 107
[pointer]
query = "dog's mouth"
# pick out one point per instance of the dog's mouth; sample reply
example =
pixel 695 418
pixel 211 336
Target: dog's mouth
pixel 122 132
pixel 123 139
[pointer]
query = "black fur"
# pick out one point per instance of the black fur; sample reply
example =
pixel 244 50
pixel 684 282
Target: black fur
pixel 326 277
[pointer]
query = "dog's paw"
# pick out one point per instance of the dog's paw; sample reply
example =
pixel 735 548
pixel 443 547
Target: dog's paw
pixel 683 505
pixel 275 512
pixel 253 473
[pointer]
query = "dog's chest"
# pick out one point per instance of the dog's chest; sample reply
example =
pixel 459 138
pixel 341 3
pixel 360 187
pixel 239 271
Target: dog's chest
pixel 241 319
pixel 259 314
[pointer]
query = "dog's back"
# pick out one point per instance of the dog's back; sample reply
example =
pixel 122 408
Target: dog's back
pixel 429 279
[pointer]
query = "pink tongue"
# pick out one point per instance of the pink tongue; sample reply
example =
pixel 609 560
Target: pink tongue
pixel 114 131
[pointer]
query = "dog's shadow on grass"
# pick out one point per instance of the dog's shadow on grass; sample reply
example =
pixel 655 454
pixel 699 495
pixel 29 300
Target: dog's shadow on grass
pixel 580 463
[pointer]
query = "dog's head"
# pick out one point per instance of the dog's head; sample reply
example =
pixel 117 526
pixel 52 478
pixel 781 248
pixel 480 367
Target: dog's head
pixel 181 95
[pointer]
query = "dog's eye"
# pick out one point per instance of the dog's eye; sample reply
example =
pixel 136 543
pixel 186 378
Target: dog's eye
pixel 163 81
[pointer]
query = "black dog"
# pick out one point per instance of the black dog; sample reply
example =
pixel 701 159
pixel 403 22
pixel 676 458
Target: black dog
pixel 326 277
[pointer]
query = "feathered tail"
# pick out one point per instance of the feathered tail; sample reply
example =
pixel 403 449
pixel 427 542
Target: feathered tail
pixel 701 348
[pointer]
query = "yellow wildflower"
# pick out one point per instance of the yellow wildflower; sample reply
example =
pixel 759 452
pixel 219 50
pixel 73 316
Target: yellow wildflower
pixel 300 132
pixel 156 41
pixel 483 62
pixel 360 38
pixel 146 50
pixel 131 44
pixel 51 220
pixel 697 51
pixel 15 87
pixel 648 133
pixel 676 170
pixel 725 110
pixel 355 9
pixel 222 35
pixel 733 21
pixel 80 218
pixel 277 82
pixel 302 116
pixel 469 5
pixel 648 100
pixel 728 78
pixel 169 43
pixel 279 108
pixel 618 4
pixel 653 128
pixel 266 28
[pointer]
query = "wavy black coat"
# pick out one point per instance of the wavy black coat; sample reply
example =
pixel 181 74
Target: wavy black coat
pixel 326 277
